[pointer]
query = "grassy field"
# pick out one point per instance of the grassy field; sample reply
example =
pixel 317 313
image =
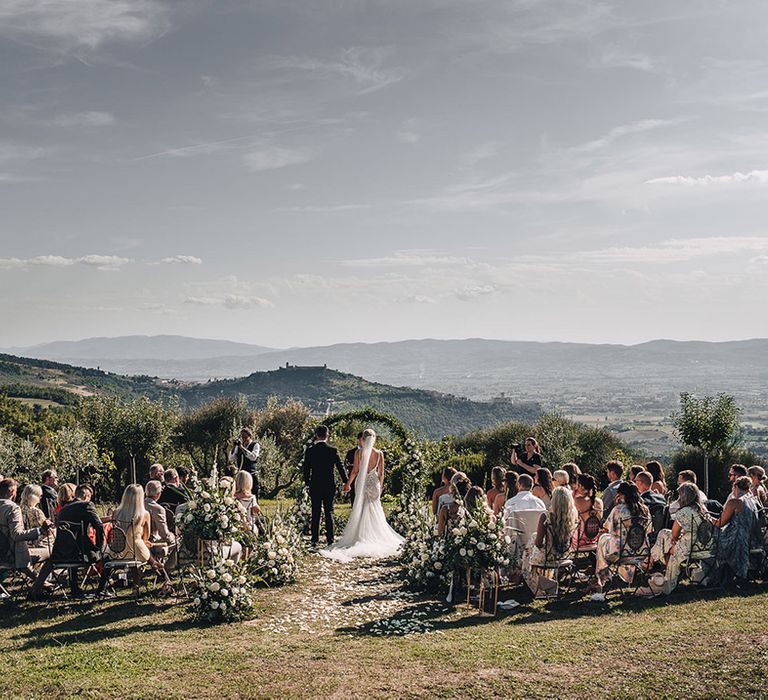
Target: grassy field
pixel 342 632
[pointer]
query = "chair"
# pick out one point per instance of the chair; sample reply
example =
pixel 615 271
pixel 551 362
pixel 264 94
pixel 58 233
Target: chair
pixel 8 571
pixel 123 539
pixel 520 526
pixel 70 553
pixel 556 563
pixel 702 550
pixel 634 552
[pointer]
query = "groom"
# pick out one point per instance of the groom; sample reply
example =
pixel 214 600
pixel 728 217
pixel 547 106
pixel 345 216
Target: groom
pixel 319 462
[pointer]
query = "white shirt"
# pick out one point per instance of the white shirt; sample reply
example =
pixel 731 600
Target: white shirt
pixel 675 505
pixel 523 500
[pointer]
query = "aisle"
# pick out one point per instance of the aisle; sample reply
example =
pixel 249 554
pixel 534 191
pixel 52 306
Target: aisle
pixel 363 596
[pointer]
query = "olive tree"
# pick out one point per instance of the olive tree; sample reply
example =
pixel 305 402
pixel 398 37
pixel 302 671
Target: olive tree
pixel 709 423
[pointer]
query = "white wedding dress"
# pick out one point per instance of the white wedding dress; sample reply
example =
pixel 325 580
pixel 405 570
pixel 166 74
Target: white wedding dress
pixel 367 534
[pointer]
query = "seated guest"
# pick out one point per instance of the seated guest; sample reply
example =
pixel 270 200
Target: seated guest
pixel 735 472
pixel 244 496
pixel 686 476
pixel 49 498
pixel 14 538
pixel 737 531
pixel 552 542
pixel 77 518
pixel 66 495
pixel 156 472
pixel 511 482
pixel 573 472
pixel 183 474
pixel 628 511
pixel 615 471
pixel 497 485
pixel 173 493
pixel 673 547
pixel 657 505
pixel 560 478
pixel 475 500
pixel 543 485
pixel 34 517
pixel 448 516
pixel 502 496
pixel 657 471
pixel 634 470
pixel 588 505
pixel 445 490
pixel 162 540
pixel 758 491
pixel 523 499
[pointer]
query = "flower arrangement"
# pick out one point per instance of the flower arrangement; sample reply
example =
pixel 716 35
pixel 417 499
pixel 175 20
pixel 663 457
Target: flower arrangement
pixel 275 558
pixel 423 555
pixel 223 592
pixel 477 542
pixel 212 515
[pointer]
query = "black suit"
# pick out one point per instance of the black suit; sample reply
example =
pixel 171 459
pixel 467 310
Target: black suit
pixel 349 463
pixel 72 543
pixel 319 462
pixel 657 505
pixel 173 496
pixel 48 501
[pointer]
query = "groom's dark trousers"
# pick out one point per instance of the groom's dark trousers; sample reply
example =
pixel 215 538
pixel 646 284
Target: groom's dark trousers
pixel 320 460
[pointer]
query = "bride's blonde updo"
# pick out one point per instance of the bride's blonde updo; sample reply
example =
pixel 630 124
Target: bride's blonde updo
pixel 369 433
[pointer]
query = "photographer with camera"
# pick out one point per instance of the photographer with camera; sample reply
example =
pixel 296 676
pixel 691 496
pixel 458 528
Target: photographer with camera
pixel 528 457
pixel 245 453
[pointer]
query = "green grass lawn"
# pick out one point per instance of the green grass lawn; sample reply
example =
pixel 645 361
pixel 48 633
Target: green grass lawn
pixel 695 644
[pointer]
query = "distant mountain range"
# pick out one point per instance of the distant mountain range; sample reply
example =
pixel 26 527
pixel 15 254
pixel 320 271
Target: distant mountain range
pixel 429 413
pixel 474 368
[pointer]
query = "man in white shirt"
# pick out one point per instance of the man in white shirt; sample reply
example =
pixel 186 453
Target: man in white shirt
pixel 523 499
pixel 685 476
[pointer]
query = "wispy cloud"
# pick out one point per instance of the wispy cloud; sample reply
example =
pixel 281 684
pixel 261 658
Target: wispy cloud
pixel 618 132
pixel 71 24
pixel 325 208
pixel 618 58
pixel 364 66
pixel 476 291
pixel 677 250
pixel 83 119
pixel 275 157
pixel 199 149
pixel 101 262
pixel 182 260
pixel 754 177
pixel 414 258
pixel 231 301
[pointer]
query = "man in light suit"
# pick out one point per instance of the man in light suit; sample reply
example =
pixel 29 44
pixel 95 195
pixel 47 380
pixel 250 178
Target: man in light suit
pixel 14 539
pixel 159 532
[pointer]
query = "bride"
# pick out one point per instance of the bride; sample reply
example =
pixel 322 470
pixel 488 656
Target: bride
pixel 367 534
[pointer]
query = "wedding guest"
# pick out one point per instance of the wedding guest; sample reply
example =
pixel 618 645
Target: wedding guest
pixel 475 500
pixel 65 496
pixel 245 456
pixel 615 471
pixel 524 499
pixel 588 505
pixel 162 540
pixel 656 470
pixel 244 496
pixel 735 472
pixel 573 472
pixel 511 481
pixel 560 477
pixel 34 517
pixel 529 458
pixel 686 476
pixel 656 503
pixel 448 516
pixel 628 510
pixel 758 490
pixel 183 474
pixel 49 499
pixel 673 547
pixel 634 470
pixel 173 493
pixel 552 542
pixel 445 490
pixel 737 530
pixel 543 485
pixel 497 485
pixel 502 496
pixel 81 518
pixel 20 555
pixel 156 472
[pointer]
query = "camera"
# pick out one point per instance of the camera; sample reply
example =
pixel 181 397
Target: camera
pixel 517 448
pixel 238 442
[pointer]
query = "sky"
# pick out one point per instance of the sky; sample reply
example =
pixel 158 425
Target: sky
pixel 303 173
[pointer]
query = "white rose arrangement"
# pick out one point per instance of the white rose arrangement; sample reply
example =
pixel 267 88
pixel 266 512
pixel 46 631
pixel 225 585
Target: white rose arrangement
pixel 222 592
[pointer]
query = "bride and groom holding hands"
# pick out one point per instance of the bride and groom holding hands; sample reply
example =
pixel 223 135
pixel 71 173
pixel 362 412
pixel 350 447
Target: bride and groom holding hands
pixel 367 533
